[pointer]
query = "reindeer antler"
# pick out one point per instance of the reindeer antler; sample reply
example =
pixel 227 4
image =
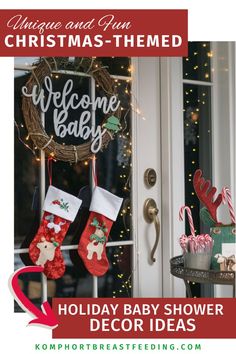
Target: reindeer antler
pixel 206 194
pixel 95 222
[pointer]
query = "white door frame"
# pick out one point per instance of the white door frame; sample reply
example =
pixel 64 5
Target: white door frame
pixel 146 154
pixel 173 193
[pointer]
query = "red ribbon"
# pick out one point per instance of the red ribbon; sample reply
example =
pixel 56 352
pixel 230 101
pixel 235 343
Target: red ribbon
pixel 49 165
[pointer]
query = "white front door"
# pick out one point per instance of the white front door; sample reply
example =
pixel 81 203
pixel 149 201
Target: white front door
pixel 158 143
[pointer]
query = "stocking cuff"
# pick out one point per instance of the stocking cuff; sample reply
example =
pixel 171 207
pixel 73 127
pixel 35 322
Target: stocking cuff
pixel 105 203
pixel 61 204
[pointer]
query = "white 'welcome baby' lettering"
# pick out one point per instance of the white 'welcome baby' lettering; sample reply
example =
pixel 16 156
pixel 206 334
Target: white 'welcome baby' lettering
pixel 85 127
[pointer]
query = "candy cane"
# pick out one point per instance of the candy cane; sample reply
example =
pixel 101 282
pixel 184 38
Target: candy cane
pixel 201 243
pixel 190 218
pixel 209 243
pixel 227 198
pixel 192 244
pixel 183 240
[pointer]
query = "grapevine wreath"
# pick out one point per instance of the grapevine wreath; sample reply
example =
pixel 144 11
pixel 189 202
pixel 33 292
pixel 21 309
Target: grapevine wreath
pixel 48 66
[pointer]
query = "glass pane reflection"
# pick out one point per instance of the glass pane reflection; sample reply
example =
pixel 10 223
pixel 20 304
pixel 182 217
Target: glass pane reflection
pixel 117 282
pixel 76 281
pixel 197 142
pixel 197 66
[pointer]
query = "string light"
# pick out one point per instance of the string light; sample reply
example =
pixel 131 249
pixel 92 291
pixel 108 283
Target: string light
pixel 131 69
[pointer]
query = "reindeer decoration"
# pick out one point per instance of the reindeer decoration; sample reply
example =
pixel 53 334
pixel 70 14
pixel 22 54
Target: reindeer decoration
pixel 47 251
pixel 206 195
pixel 224 253
pixel 98 240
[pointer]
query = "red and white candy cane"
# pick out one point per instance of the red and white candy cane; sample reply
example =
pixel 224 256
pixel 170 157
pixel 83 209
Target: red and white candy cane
pixel 190 218
pixel 183 240
pixel 227 198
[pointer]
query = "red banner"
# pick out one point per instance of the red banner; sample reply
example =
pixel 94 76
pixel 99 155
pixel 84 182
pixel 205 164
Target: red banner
pixel 144 318
pixel 93 33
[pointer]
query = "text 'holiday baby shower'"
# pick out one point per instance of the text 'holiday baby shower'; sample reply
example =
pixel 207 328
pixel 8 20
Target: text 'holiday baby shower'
pixel 145 318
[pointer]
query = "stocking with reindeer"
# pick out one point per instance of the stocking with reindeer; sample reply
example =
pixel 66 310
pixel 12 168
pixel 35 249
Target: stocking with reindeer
pixel 60 210
pixel 104 210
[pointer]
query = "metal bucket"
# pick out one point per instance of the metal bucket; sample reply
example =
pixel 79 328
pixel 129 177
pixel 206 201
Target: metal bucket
pixel 197 260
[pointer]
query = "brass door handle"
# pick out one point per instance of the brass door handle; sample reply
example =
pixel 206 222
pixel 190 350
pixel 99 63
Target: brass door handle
pixel 151 215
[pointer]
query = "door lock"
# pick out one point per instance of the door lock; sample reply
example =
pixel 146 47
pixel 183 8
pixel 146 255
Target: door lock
pixel 150 177
pixel 151 215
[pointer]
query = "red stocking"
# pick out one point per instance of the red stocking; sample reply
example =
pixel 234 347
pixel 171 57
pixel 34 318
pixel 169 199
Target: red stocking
pixel 60 209
pixel 104 209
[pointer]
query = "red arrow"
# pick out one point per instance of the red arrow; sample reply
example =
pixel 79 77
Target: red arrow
pixel 46 317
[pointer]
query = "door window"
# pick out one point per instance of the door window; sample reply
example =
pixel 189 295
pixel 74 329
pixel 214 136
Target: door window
pixel 113 167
